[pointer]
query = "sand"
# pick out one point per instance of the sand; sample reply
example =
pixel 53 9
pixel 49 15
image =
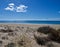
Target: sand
pixel 22 35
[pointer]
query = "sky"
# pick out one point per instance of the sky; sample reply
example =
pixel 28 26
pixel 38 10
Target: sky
pixel 30 9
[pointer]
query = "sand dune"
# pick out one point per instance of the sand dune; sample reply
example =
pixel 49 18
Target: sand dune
pixel 22 35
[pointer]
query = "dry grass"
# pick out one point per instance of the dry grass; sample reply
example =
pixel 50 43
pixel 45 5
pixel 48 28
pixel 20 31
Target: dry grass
pixel 26 37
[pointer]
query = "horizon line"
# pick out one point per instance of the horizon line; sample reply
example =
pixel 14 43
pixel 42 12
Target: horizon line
pixel 49 19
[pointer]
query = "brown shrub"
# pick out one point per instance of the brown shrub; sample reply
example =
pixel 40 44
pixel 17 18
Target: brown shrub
pixel 6 31
pixel 1 42
pixel 53 34
pixel 58 30
pixel 46 29
pixel 50 44
pixel 21 43
pixel 10 45
pixel 40 40
pixel 4 37
pixel 12 34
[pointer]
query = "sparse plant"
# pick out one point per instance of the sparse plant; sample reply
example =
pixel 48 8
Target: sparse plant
pixel 4 37
pixel 50 44
pixel 11 33
pixel 40 40
pixel 21 43
pixel 10 45
pixel 1 42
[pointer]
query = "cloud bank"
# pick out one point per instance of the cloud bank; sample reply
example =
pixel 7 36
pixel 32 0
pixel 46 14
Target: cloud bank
pixel 20 8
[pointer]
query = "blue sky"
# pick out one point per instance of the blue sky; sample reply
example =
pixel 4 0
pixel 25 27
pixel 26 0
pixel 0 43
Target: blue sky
pixel 30 9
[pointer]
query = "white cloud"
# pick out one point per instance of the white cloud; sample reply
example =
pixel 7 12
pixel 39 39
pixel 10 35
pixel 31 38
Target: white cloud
pixel 12 4
pixel 10 7
pixel 20 8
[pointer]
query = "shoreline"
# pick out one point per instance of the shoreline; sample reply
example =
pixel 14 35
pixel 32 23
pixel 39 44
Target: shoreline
pixel 31 25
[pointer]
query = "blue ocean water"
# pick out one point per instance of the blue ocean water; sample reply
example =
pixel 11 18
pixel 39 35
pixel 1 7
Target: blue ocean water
pixel 32 22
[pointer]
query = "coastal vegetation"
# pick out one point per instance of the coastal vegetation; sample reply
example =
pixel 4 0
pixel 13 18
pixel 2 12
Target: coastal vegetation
pixel 24 36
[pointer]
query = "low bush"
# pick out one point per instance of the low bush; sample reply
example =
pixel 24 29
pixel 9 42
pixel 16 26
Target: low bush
pixel 40 40
pixel 10 45
pixel 53 34
pixel 1 42
pixel 21 43
pixel 45 29
pixel 4 37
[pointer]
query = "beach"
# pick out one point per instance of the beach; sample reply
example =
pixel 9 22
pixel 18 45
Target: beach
pixel 22 35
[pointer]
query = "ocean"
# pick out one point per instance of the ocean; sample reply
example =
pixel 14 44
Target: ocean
pixel 31 22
